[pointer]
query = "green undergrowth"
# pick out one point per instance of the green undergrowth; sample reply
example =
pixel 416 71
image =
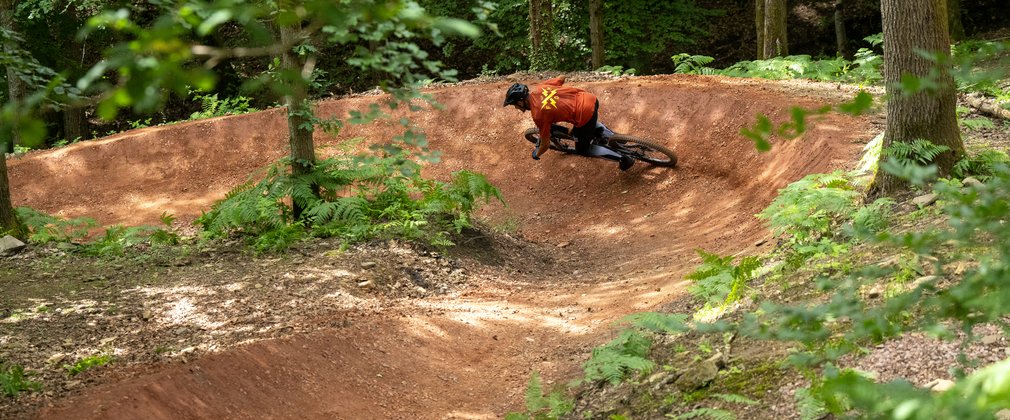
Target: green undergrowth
pixel 846 276
pixel 352 198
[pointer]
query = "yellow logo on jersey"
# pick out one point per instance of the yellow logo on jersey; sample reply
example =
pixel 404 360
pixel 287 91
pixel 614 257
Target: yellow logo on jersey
pixel 548 102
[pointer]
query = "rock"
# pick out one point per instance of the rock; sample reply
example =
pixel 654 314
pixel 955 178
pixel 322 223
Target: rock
pixel 971 181
pixel 56 359
pixel 991 339
pixel 368 265
pixel 698 376
pixel 939 385
pixel 187 350
pixel 147 315
pixel 366 283
pixel 10 245
pixel 924 279
pixel 924 200
pixel 1003 414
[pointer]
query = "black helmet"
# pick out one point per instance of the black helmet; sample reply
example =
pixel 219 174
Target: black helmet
pixel 516 94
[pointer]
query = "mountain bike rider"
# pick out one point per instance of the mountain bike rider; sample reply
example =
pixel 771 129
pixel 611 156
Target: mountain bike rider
pixel 551 103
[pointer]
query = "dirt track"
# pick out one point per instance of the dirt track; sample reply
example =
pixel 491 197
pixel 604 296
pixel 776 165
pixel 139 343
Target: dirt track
pixel 467 357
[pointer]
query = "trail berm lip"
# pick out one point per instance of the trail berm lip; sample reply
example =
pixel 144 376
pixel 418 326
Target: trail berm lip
pixel 471 356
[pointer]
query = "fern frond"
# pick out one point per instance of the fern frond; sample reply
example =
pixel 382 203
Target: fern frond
pixel 659 322
pixel 712 413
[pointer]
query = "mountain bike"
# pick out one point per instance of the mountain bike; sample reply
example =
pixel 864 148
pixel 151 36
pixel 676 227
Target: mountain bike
pixel 637 148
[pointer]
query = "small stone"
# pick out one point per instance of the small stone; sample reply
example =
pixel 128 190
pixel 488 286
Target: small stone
pixel 366 283
pixel 564 244
pixel 73 384
pixel 971 182
pixel 56 359
pixel 698 376
pixel 368 265
pixel 991 339
pixel 10 245
pixel 421 290
pixel 68 343
pixel 923 280
pixel 924 200
pixel 147 315
pixel 187 350
pixel 940 385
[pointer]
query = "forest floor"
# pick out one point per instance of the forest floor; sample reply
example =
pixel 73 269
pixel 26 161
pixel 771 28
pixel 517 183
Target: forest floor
pixel 391 329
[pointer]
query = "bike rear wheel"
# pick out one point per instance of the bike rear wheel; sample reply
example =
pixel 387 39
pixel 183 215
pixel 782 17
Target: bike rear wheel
pixel 559 141
pixel 644 150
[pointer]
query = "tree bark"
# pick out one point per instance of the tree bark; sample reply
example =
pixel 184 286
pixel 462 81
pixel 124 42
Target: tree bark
pixel 15 86
pixel 759 27
pixel 954 20
pixel 772 39
pixel 74 123
pixel 596 31
pixel 9 223
pixel 910 27
pixel 841 38
pixel 300 128
pixel 544 54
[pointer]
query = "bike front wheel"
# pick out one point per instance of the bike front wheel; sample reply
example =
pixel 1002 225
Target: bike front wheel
pixel 644 150
pixel 559 141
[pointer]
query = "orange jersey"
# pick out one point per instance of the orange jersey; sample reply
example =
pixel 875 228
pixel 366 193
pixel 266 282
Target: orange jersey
pixel 550 103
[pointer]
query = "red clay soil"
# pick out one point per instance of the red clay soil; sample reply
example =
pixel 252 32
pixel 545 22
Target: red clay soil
pixel 467 357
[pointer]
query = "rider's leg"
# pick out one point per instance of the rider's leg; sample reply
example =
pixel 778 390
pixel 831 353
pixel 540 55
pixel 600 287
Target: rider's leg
pixel 585 144
pixel 585 134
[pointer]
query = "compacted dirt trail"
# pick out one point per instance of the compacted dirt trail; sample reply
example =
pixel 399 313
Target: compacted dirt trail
pixel 634 235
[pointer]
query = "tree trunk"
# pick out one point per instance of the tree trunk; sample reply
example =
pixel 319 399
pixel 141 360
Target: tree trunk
pixel 300 128
pixel 954 20
pixel 596 31
pixel 544 54
pixel 74 123
pixel 15 86
pixel 775 42
pixel 841 39
pixel 759 27
pixel 9 223
pixel 910 27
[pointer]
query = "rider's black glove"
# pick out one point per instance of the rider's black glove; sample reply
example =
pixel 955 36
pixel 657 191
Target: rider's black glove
pixel 536 151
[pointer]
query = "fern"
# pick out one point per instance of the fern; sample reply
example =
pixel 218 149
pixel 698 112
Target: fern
pixel 735 399
pixel 977 123
pixel 808 406
pixel 983 165
pixel 43 228
pixel 812 207
pixel 659 322
pixel 692 64
pixel 13 380
pixel 624 354
pixel 712 413
pixel 717 280
pixel 540 406
pixel 920 152
pixel 352 198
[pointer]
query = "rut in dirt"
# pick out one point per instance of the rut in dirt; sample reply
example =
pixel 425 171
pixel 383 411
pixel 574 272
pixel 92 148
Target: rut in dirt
pixel 466 357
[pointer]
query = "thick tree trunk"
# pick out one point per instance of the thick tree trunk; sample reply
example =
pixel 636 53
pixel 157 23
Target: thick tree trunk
pixel 759 27
pixel 74 123
pixel 303 152
pixel 910 27
pixel 596 31
pixel 15 86
pixel 954 20
pixel 841 38
pixel 543 55
pixel 772 40
pixel 9 223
